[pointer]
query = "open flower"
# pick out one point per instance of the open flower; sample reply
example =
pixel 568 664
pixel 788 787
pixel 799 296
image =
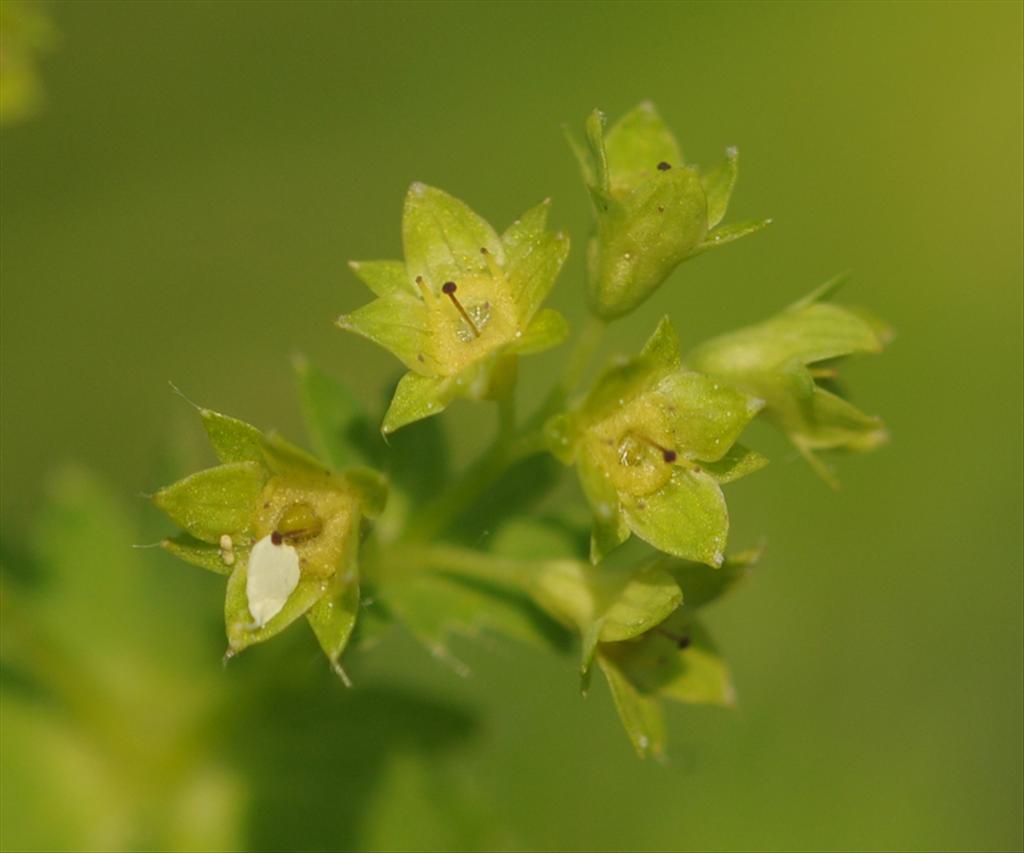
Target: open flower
pixel 653 211
pixel 284 528
pixel 789 359
pixel 463 303
pixel 652 443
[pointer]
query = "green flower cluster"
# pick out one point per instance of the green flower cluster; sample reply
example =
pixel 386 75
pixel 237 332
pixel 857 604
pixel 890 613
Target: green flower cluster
pixel 652 441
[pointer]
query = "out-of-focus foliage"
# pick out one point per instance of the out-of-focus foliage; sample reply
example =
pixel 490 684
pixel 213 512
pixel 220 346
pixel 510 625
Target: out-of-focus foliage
pixel 25 32
pixel 199 176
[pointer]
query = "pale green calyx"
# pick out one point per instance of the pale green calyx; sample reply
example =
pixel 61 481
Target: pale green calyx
pixel 652 443
pixel 462 305
pixel 790 361
pixel 282 526
pixel 653 211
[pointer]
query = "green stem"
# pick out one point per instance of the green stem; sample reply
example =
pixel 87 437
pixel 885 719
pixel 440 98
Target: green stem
pixel 509 445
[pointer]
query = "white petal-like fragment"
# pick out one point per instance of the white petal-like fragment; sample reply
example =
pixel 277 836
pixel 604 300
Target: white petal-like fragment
pixel 272 576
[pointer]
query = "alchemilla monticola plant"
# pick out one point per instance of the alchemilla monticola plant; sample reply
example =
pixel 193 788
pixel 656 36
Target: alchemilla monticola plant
pixel 374 529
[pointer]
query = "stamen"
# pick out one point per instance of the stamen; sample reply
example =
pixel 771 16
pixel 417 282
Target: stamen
pixel 492 264
pixel 449 289
pixel 667 453
pixel 663 166
pixel 682 641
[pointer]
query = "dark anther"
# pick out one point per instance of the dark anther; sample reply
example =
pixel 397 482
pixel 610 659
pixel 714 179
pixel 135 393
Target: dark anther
pixel 448 287
pixel 668 455
pixel 483 250
pixel 663 166
pixel 276 538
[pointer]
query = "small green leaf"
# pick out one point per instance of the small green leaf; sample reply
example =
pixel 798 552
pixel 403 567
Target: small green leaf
pixel 718 186
pixel 687 518
pixel 436 606
pixel 640 713
pixel 548 329
pixel 215 502
pixel 337 424
pixel 384 278
pixel 418 397
pixel 241 627
pixel 201 554
pixel 443 237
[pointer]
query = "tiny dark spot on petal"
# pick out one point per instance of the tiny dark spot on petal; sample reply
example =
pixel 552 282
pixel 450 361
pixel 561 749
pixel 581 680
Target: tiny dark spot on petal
pixel 661 209
pixel 420 357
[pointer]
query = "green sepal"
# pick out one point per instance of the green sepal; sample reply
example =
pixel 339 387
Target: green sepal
pixel 238 621
pixel 216 501
pixel 687 518
pixel 199 553
pixel 707 416
pixel 333 616
pixel 397 322
pixel 442 237
pixel 232 440
pixel 739 461
pixel 384 278
pixel 547 329
pixel 418 397
pixel 637 143
pixel 718 185
pixel 533 258
pixel 725 234
pixel 640 713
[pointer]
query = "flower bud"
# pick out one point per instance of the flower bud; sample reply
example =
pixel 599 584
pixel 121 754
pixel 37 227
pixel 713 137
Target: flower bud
pixel 790 361
pixel 653 211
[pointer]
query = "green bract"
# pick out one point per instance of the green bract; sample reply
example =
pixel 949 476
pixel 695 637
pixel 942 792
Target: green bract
pixel 463 304
pixel 653 211
pixel 652 443
pixel 269 497
pixel 781 361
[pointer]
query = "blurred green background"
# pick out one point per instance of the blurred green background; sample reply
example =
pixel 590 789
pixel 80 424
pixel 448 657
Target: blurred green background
pixel 182 208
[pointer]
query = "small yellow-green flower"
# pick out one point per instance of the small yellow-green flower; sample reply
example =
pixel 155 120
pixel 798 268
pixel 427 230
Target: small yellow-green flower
pixel 653 210
pixel 463 304
pixel 652 444
pixel 282 526
pixel 789 359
